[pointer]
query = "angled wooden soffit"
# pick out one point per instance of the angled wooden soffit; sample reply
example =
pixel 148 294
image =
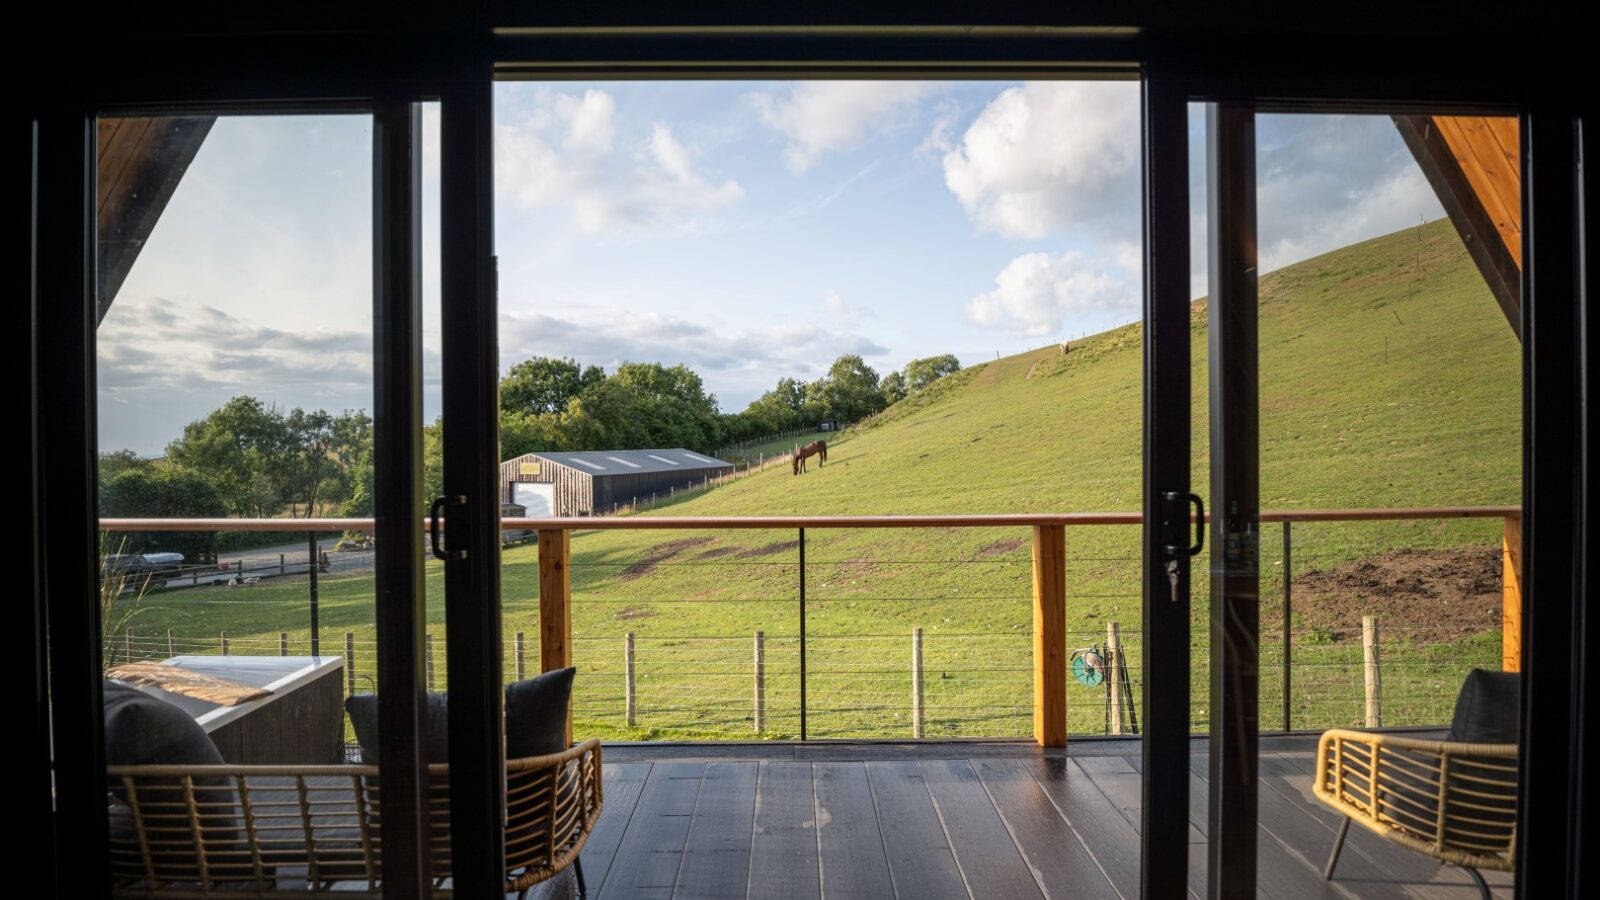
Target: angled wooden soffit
pixel 1472 164
pixel 140 161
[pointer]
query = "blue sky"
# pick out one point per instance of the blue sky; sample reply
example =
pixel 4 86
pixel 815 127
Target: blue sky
pixel 749 230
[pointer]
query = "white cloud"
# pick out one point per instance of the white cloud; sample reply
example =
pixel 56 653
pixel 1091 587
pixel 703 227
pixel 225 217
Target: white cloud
pixel 589 121
pixel 559 151
pixel 820 117
pixel 938 142
pixel 1035 292
pixel 834 303
pixel 1327 182
pixel 1051 155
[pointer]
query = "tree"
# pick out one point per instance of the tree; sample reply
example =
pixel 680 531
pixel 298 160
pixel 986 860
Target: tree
pixel 849 393
pixel 779 409
pixel 893 388
pixel 545 385
pixel 240 449
pixel 168 492
pixel 115 462
pixel 919 373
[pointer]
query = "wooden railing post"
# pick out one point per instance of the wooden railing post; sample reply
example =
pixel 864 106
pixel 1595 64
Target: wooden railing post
pixel 1113 674
pixel 760 708
pixel 1374 671
pixel 630 697
pixel 1511 596
pixel 918 716
pixel 521 654
pixel 427 656
pixel 555 604
pixel 1050 635
pixel 349 664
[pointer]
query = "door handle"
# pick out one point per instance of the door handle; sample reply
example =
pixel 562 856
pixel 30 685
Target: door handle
pixel 433 527
pixel 1176 517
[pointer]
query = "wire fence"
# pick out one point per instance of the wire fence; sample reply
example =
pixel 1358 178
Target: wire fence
pixel 726 635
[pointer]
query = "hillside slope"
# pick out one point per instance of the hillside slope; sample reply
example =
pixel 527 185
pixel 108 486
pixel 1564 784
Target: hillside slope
pixel 1388 378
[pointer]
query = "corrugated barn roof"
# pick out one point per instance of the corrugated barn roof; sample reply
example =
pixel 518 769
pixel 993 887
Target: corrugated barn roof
pixel 633 462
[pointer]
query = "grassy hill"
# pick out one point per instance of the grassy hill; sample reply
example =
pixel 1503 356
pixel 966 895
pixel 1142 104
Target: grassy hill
pixel 1388 378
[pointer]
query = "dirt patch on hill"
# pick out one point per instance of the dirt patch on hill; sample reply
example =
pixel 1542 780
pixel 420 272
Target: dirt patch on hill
pixel 628 613
pixel 715 552
pixel 1000 548
pixel 659 554
pixel 769 549
pixel 1434 595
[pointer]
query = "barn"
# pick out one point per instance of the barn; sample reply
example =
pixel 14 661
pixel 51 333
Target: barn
pixel 592 482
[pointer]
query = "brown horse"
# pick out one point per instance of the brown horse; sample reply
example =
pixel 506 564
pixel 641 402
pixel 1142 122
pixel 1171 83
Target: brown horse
pixel 815 448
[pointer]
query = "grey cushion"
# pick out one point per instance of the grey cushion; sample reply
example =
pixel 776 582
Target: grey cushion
pixel 536 719
pixel 1488 709
pixel 363 710
pixel 145 730
pixel 536 713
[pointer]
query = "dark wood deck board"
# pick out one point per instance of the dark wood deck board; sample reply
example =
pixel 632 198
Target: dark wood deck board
pixel 1049 843
pixel 1107 835
pixel 853 861
pixel 914 842
pixel 647 860
pixel 953 820
pixel 989 859
pixel 783 853
pixel 716 855
pixel 622 783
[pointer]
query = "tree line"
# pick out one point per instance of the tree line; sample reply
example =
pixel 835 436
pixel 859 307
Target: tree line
pixel 249 459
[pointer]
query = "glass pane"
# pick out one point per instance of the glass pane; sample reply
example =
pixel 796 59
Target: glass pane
pixel 725 300
pixel 235 376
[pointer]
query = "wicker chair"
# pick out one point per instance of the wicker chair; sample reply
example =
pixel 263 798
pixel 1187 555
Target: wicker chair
pixel 1454 800
pixel 267 831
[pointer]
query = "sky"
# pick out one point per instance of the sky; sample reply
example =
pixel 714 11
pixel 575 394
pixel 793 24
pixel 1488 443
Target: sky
pixel 749 230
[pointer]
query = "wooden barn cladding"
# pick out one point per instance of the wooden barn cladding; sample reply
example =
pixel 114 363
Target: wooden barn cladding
pixel 593 481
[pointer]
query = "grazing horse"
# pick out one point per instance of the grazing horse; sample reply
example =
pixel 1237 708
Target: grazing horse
pixel 815 448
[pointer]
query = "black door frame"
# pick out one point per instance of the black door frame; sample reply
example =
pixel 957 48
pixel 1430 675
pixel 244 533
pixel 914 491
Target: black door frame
pixel 66 444
pixel 1534 72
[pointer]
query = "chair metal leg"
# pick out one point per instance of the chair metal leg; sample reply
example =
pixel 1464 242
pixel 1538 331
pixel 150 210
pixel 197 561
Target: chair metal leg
pixel 1338 846
pixel 583 889
pixel 1483 886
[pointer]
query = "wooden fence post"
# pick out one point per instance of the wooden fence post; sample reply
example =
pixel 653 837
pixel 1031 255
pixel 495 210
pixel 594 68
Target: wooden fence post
pixel 283 566
pixel 629 696
pixel 172 646
pixel 759 714
pixel 127 645
pixel 1374 671
pixel 521 655
pixel 350 663
pixel 1050 635
pixel 427 651
pixel 283 643
pixel 224 637
pixel 555 604
pixel 1511 596
pixel 918 715
pixel 1114 674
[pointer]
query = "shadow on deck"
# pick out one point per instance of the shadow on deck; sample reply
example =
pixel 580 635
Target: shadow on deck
pixel 951 820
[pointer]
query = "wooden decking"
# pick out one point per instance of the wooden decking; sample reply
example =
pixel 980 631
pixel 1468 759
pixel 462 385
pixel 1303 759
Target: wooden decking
pixel 929 821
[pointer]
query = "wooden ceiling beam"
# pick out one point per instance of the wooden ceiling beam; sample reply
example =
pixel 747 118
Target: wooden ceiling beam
pixel 141 159
pixel 1471 163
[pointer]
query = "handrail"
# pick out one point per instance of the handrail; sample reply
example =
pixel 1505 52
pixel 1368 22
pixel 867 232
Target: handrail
pixel 997 520
pixel 1048 559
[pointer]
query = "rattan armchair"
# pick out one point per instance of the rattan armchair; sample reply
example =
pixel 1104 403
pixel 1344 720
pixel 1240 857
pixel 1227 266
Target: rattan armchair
pixel 268 831
pixel 1453 800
